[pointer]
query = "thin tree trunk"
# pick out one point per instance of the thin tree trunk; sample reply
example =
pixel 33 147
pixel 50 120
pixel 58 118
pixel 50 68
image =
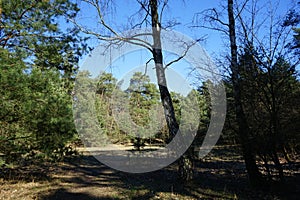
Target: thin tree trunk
pixel 286 154
pixel 244 130
pixel 160 72
pixel 278 165
pixel 266 164
pixel 185 166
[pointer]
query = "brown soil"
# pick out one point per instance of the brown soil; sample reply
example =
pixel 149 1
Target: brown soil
pixel 221 175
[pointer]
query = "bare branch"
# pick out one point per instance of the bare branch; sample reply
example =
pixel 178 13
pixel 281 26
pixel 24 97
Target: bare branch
pixel 211 28
pixel 142 34
pixel 162 10
pixel 142 22
pixel 97 5
pixel 146 8
pixel 240 11
pixel 217 19
pixel 213 18
pixel 143 6
pixel 171 24
pixel 245 29
pixel 147 65
pixel 115 38
pixel 188 46
pixel 137 41
pixel 211 15
pixel 270 45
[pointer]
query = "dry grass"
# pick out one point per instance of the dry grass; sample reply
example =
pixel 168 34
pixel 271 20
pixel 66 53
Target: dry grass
pixel 82 178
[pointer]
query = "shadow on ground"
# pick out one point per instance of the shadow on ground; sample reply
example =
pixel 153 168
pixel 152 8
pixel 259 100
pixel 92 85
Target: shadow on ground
pixel 83 178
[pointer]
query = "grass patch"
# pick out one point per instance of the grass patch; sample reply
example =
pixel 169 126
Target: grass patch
pixel 83 177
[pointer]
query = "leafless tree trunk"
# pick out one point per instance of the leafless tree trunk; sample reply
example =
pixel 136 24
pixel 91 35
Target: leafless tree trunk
pixel 185 162
pixel 244 130
pixel 160 72
pixel 270 49
pixel 151 9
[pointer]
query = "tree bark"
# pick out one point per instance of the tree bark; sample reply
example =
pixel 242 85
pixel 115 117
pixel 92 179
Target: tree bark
pixel 160 72
pixel 244 130
pixel 185 162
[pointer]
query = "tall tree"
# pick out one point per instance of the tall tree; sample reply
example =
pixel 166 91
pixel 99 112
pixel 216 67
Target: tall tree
pixel 153 10
pixel 244 131
pixel 106 84
pixel 38 62
pixel 270 68
pixel 142 96
pixel 160 71
pixel 265 99
pixel 263 42
pixel 36 111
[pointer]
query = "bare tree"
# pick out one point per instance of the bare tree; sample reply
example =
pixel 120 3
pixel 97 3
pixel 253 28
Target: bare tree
pixel 244 130
pixel 257 29
pixel 215 20
pixel 153 12
pixel 267 38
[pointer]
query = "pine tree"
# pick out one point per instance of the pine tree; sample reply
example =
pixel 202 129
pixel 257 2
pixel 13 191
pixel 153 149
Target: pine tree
pixel 38 64
pixel 142 96
pixel 32 29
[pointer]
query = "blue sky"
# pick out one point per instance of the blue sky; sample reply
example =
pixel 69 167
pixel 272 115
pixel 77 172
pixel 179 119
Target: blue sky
pixel 182 11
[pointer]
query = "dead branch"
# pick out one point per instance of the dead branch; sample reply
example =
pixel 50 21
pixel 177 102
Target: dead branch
pixel 188 46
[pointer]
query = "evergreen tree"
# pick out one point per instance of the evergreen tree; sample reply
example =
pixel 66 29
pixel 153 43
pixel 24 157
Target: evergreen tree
pixel 142 96
pixel 38 64
pixel 32 29
pixel 293 19
pixel 36 113
pixel 106 86
pixel 266 93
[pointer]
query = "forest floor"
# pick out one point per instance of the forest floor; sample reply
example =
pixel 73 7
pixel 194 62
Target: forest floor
pixel 221 175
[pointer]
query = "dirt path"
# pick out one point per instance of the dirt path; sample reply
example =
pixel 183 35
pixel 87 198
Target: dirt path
pixel 220 176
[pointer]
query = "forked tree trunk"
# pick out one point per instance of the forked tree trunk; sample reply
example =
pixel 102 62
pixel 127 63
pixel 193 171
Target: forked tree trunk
pixel 244 130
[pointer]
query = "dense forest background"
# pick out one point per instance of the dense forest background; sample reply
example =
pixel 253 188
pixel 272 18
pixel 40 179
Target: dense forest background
pixel 39 63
